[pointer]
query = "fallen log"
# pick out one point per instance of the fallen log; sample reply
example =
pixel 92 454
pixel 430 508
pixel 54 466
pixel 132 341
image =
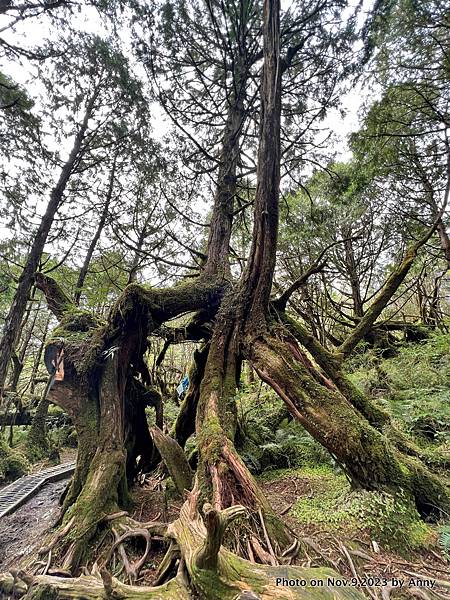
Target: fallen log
pixel 9 419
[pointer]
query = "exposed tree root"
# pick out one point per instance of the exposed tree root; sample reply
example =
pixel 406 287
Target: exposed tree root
pixel 212 571
pixel 34 587
pixel 132 569
pixel 168 564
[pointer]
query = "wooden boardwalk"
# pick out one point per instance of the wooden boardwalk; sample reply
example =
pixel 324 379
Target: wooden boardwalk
pixel 21 490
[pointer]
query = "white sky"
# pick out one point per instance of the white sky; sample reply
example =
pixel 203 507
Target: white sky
pixel 33 32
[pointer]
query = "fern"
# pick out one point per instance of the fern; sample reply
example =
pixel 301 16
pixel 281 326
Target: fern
pixel 444 541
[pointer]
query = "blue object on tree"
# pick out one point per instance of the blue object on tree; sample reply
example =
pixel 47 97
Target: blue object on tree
pixel 183 386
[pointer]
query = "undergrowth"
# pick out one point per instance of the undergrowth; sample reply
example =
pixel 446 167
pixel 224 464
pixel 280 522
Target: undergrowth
pixel 391 521
pixel 268 437
pixel 413 386
pixel 13 463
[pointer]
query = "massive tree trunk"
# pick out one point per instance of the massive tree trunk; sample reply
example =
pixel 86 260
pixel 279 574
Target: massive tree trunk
pixel 95 366
pixel 223 476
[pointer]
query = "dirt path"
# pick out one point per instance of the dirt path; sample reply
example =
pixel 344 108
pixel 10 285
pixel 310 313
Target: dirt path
pixel 22 531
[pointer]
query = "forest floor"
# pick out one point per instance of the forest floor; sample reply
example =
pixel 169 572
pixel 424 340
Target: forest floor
pixel 21 532
pixel 345 544
pixel 298 496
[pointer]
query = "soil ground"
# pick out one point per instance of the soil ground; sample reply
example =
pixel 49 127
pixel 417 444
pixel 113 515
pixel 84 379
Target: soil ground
pixel 350 555
pixel 21 532
pixel 355 556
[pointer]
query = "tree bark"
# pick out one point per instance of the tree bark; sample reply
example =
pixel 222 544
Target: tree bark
pixel 92 246
pixel 185 423
pixel 37 441
pixel 19 357
pixel 175 460
pixel 38 358
pixel 223 477
pixel 18 306
pixel 222 217
pixel 362 451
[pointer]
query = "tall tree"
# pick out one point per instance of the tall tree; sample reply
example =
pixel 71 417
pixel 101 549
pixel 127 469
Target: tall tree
pixel 102 92
pixel 107 385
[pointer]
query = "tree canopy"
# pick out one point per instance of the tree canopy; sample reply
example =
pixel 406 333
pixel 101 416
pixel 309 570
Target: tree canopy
pixel 179 213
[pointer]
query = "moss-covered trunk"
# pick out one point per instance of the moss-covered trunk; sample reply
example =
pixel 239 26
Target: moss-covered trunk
pixel 79 398
pixel 380 419
pixel 37 440
pixel 222 476
pixel 99 484
pixel 366 455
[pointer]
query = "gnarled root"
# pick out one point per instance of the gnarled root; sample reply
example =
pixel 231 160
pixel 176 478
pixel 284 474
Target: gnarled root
pixel 218 573
pixel 213 571
pixel 132 569
pixel 89 587
pixel 216 522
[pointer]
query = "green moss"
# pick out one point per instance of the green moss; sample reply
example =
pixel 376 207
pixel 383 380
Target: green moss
pixel 13 464
pixel 75 325
pixel 309 471
pixel 210 439
pixel 392 521
pixel 42 592
pixel 325 507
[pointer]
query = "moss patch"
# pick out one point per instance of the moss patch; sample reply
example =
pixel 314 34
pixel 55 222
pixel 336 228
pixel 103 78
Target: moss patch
pixel 332 504
pixel 13 464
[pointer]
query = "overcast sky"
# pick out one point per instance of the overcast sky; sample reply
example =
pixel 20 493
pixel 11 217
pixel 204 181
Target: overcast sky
pixel 32 33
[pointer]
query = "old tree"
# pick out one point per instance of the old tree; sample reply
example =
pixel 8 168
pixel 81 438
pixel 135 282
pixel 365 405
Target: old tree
pixel 106 385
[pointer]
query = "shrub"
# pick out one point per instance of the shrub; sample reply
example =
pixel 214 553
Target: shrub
pixel 13 463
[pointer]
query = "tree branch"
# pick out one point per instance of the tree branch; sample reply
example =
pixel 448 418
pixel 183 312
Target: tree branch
pixel 392 284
